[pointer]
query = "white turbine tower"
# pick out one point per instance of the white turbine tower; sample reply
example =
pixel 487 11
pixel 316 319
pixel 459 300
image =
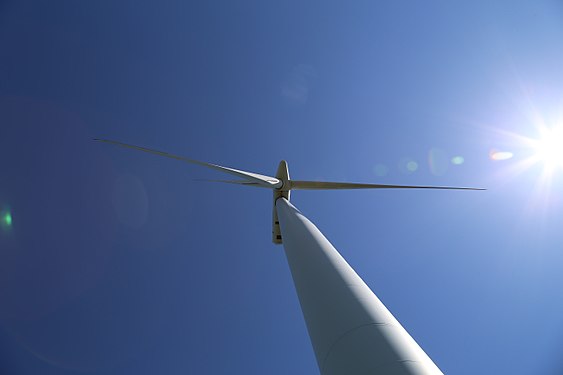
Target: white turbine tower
pixel 351 331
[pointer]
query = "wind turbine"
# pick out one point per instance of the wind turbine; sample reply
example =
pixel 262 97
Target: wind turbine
pixel 351 331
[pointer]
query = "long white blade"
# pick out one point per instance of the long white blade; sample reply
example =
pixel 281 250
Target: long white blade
pixel 264 181
pixel 235 182
pixel 321 185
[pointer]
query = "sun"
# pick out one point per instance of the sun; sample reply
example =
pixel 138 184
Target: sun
pixel 549 147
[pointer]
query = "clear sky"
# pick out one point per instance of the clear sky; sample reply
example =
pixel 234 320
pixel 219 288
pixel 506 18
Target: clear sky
pixel 117 262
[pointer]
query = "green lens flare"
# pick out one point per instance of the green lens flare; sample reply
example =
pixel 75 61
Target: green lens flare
pixel 412 166
pixel 8 219
pixel 457 160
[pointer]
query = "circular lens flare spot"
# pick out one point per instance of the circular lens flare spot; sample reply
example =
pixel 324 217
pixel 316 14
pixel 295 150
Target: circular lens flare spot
pixel 407 165
pixel 457 160
pixel 5 219
pixel 412 166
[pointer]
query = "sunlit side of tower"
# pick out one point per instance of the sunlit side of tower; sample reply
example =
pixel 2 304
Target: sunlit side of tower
pixel 351 331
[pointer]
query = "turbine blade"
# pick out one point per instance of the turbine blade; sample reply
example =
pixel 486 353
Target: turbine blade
pixel 264 181
pixel 321 185
pixel 236 182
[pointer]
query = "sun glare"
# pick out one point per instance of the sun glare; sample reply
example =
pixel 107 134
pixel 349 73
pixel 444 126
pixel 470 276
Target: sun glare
pixel 549 148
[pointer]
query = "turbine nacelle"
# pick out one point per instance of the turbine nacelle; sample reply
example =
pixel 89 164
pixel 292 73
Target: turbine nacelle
pixel 281 184
pixel 284 191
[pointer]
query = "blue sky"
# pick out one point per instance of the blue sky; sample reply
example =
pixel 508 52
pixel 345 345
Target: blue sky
pixel 118 262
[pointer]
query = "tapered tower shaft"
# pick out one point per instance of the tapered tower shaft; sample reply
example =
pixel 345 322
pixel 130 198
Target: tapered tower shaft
pixel 351 331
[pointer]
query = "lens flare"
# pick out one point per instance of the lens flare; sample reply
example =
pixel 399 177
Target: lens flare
pixel 5 219
pixel 407 165
pixel 457 160
pixel 500 155
pixel 8 219
pixel 412 166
